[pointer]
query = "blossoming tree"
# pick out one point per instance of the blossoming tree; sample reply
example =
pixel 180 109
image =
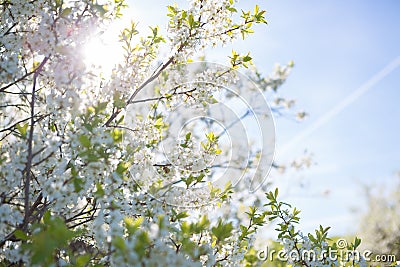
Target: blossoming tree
pixel 117 170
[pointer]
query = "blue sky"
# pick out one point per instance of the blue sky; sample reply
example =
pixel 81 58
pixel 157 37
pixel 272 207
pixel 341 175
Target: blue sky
pixel 337 47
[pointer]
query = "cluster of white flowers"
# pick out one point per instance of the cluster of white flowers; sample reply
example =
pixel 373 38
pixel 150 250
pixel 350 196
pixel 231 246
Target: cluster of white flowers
pixel 205 23
pixel 13 29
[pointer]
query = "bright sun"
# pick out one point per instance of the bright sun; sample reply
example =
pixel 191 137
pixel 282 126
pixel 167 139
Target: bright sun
pixel 103 51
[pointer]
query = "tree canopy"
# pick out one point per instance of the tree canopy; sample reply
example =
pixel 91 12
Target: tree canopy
pixel 151 165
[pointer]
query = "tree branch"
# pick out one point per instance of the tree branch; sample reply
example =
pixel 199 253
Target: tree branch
pixel 155 74
pixel 30 145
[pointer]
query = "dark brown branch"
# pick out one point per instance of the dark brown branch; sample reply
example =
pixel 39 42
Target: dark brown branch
pixel 18 80
pixel 122 127
pixel 13 105
pixel 9 29
pixel 11 236
pixel 163 97
pixel 30 145
pixel 155 74
pixel 9 128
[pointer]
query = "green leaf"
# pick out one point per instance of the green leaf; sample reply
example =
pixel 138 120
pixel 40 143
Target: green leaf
pixel 357 242
pixel 185 228
pixel 22 129
pixel 187 137
pixel 119 243
pixel 159 123
pixel 46 217
pixel 211 137
pixel 222 230
pixel 178 216
pixel 83 260
pixel 142 243
pixel 312 238
pixel 203 223
pixel 101 107
pixel 20 234
pixel 256 8
pixel 102 9
pixel 172 11
pixel 53 236
pixel 91 110
pixel 181 215
pixel 184 14
pixel 99 190
pixel 78 184
pixel 191 21
pixel 84 140
pixel 132 225
pixel 122 167
pixel 53 127
pixel 66 12
pixel 247 58
pixel 116 135
pixel 118 101
pixel 58 3
pixel 276 193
